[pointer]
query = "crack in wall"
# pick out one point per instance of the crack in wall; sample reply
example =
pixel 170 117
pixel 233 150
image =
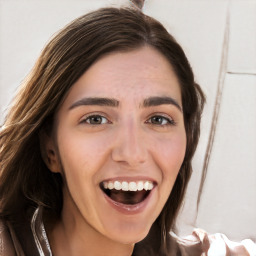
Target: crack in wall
pixel 218 100
pixel 137 3
pixel 241 73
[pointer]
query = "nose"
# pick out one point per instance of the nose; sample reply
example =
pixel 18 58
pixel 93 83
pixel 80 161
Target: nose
pixel 130 145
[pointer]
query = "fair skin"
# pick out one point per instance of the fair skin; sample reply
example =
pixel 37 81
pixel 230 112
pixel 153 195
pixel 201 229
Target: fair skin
pixel 120 123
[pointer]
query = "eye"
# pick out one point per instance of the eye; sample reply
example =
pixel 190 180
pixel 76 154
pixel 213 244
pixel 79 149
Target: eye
pixel 160 120
pixel 95 120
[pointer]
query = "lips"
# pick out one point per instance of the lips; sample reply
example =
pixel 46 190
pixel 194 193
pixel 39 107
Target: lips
pixel 127 193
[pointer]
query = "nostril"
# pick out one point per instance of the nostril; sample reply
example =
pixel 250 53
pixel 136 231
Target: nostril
pixel 131 155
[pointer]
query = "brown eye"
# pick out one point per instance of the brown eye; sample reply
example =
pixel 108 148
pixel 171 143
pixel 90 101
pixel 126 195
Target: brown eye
pixel 96 120
pixel 160 120
pixel 157 120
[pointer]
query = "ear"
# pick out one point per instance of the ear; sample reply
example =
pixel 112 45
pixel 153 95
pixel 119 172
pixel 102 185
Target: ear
pixel 49 152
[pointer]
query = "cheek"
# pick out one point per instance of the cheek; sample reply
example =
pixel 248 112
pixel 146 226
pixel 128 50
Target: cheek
pixel 82 155
pixel 171 154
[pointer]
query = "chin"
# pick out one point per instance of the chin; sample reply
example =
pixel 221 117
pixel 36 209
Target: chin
pixel 130 235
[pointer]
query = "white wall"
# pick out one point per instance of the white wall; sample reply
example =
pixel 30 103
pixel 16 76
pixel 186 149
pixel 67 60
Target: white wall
pixel 219 38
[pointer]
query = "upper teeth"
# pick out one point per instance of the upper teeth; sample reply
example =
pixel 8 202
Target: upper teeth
pixel 128 186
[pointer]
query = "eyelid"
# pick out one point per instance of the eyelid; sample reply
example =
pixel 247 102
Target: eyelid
pixel 169 119
pixel 86 116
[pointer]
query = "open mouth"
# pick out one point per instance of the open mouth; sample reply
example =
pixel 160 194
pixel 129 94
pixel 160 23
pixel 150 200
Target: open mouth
pixel 129 193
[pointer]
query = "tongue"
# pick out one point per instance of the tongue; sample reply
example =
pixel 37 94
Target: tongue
pixel 128 197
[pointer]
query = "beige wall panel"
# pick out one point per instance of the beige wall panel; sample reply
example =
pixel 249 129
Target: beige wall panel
pixel 228 201
pixel 242 48
pixel 25 27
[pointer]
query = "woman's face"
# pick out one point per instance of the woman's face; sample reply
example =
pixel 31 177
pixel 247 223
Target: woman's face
pixel 120 143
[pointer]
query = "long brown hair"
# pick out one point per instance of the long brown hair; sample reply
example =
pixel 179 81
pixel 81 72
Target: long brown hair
pixel 25 180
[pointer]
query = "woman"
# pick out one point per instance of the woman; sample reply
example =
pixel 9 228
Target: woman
pixel 96 150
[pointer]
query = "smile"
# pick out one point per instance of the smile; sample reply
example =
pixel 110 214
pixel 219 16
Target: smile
pixel 127 193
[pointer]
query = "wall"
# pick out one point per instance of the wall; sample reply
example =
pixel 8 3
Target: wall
pixel 219 38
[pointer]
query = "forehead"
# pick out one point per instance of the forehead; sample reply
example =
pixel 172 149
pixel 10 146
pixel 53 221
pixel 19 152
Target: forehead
pixel 135 74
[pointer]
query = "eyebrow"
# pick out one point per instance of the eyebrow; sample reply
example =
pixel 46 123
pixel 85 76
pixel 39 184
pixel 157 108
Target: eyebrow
pixel 156 101
pixel 108 102
pixel 95 101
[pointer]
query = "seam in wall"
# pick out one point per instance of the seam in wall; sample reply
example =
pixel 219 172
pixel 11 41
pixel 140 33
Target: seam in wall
pixel 221 81
pixel 241 73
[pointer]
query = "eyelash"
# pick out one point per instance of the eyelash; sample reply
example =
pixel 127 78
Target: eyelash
pixel 84 120
pixel 167 121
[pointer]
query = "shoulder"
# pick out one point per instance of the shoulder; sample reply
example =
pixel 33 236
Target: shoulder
pixel 200 242
pixel 6 242
pixel 25 235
